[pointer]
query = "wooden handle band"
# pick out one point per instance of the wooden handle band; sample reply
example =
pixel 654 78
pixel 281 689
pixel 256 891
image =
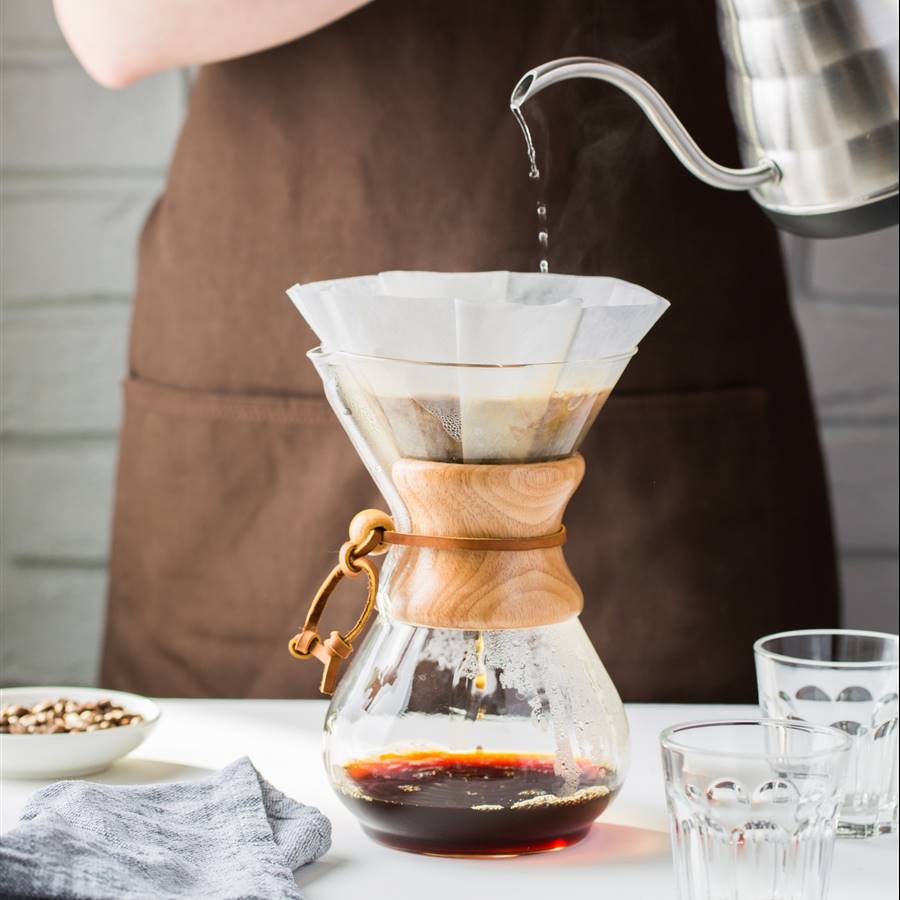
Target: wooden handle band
pixel 441 582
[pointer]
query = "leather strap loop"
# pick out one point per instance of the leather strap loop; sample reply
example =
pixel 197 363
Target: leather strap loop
pixel 370 533
pixel 442 542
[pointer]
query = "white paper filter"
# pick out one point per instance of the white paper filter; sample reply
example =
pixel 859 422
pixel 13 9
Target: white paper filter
pixel 482 319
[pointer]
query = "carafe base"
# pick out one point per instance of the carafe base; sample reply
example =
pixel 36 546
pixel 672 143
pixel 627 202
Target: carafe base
pixel 499 850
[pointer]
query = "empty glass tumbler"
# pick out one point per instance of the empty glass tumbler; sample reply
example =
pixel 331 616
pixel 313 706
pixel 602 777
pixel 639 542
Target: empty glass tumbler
pixel 753 807
pixel 846 679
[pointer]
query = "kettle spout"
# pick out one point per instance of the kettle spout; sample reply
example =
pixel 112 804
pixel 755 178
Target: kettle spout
pixel 655 108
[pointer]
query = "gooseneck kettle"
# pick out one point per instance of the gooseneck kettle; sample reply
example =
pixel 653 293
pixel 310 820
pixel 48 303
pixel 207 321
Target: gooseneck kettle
pixel 813 89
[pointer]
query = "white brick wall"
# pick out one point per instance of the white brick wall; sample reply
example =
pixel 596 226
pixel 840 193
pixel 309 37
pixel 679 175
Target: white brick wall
pixel 80 168
pixel 845 296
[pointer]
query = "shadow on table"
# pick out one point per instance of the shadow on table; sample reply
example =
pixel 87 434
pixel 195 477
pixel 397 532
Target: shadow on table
pixel 604 845
pixel 607 844
pixel 135 770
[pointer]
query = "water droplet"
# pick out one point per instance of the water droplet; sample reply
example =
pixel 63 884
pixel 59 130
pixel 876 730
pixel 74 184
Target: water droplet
pixel 544 266
pixel 543 238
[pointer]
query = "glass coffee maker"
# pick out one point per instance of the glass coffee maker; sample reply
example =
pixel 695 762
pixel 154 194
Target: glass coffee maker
pixel 476 718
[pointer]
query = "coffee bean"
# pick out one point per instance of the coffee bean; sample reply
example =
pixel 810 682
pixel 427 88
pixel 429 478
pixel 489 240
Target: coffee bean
pixel 63 715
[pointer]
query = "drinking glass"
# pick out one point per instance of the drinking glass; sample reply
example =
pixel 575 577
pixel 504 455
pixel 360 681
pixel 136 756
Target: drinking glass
pixel 753 807
pixel 846 679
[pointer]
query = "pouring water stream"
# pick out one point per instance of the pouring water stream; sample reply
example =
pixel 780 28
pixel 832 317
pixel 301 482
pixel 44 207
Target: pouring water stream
pixel 534 173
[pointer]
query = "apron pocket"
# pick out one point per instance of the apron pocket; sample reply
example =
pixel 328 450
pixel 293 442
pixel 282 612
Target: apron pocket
pixel 230 510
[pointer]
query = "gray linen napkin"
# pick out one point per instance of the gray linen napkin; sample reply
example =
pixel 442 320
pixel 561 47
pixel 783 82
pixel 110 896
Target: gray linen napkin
pixel 231 836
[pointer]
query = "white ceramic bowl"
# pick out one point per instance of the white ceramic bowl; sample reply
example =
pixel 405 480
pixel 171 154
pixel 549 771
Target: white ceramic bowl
pixel 51 756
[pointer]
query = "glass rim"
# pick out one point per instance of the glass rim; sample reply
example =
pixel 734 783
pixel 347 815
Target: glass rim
pixel 669 742
pixel 321 353
pixel 759 649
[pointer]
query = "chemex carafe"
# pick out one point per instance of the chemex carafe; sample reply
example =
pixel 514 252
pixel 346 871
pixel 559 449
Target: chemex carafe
pixel 475 718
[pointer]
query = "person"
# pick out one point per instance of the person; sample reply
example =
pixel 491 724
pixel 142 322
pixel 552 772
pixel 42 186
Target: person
pixel 337 138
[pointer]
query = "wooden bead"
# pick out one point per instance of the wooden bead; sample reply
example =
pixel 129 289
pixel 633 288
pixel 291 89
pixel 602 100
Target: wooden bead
pixel 364 523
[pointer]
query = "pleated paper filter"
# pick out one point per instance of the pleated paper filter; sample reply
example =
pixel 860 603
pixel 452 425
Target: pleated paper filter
pixel 475 367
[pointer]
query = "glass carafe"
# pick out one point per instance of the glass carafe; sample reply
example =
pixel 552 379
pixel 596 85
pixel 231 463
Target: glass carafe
pixel 475 717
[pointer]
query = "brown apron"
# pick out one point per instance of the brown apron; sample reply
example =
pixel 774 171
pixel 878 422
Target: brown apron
pixel 384 142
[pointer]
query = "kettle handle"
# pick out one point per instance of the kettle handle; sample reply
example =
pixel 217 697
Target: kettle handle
pixel 657 111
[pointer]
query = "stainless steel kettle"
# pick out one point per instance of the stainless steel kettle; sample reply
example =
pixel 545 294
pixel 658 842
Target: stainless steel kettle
pixel 813 90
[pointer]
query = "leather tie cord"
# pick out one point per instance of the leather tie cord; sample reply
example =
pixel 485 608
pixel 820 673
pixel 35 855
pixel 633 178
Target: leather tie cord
pixel 438 542
pixel 371 531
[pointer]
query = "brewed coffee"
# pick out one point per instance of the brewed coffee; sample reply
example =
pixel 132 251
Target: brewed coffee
pixel 473 804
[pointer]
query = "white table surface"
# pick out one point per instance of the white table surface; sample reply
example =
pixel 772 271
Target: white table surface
pixel 625 856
